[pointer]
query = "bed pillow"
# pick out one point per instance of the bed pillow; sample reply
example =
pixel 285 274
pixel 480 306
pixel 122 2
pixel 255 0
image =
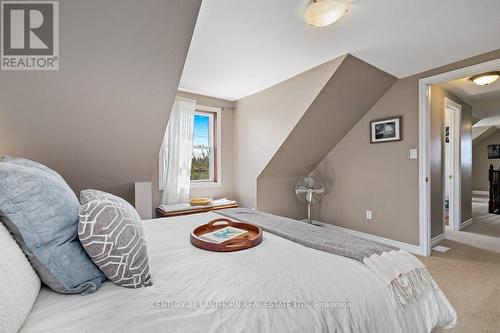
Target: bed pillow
pixel 33 164
pixel 111 233
pixel 41 212
pixel 90 195
pixel 19 284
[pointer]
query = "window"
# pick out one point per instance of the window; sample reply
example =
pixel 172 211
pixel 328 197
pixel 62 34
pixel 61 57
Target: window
pixel 205 160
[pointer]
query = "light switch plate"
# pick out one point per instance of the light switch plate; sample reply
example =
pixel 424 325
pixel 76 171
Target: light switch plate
pixel 413 154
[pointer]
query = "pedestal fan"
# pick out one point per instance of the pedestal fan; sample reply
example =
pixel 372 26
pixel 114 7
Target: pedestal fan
pixel 310 190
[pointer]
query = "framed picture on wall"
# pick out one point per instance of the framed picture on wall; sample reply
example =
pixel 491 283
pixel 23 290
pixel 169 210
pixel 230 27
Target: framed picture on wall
pixel 493 151
pixel 386 130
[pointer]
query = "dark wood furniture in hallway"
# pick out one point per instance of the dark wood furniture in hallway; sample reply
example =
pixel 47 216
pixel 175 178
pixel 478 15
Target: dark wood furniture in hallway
pixel 494 202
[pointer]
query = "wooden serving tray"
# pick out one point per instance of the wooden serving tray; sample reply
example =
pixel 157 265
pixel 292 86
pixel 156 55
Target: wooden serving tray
pixel 250 239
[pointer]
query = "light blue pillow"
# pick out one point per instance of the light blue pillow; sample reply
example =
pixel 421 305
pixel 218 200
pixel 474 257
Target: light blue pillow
pixel 41 211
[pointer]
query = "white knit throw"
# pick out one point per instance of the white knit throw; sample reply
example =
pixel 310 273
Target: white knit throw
pixel 405 275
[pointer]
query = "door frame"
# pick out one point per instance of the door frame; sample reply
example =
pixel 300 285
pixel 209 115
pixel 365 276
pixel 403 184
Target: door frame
pixel 424 166
pixel 455 198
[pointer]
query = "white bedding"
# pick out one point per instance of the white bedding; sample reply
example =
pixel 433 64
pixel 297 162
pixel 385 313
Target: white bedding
pixel 277 270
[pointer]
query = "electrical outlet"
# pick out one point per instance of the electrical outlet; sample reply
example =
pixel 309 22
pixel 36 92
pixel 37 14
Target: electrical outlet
pixel 368 214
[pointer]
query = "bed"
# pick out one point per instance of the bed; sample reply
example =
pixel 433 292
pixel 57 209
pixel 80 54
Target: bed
pixel 278 286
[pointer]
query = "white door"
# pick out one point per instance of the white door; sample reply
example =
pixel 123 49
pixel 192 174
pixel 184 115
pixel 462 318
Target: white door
pixel 448 164
pixel 452 175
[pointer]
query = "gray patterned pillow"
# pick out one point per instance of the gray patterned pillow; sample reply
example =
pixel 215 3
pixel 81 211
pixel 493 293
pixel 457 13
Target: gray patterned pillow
pixel 110 232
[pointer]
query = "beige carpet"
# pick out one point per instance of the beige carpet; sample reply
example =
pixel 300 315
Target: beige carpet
pixel 484 223
pixel 484 233
pixel 470 278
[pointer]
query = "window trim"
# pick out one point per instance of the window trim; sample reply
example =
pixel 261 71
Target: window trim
pixel 215 128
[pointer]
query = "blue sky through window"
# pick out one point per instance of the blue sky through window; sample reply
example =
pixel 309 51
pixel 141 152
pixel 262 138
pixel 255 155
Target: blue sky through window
pixel 201 130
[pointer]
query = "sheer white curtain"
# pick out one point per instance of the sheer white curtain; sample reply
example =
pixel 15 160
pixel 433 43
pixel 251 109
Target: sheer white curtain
pixel 175 153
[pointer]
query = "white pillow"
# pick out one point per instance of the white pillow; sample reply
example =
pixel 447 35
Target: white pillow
pixel 19 284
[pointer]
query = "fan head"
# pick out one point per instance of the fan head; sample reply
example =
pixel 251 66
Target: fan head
pixel 310 189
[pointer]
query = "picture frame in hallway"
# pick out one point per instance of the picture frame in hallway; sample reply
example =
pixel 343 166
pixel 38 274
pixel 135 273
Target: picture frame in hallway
pixel 493 151
pixel 386 130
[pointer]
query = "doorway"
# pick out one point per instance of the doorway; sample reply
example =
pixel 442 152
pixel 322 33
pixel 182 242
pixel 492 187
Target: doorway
pixel 426 152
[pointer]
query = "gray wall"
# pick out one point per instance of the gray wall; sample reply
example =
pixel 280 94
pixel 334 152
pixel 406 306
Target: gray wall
pixel 263 121
pixel 438 94
pixel 466 163
pixel 351 91
pixel 99 120
pixel 226 150
pixel 379 177
pixel 481 163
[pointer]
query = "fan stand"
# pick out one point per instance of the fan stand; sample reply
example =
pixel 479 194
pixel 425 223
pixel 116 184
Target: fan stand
pixel 309 220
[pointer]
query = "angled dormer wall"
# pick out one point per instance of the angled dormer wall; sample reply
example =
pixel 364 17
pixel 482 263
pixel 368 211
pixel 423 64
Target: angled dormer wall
pixel 100 119
pixel 261 122
pixel 349 93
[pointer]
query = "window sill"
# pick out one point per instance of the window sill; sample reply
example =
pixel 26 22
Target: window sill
pixel 205 185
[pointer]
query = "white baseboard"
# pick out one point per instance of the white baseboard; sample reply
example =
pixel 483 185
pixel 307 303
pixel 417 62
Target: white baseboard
pixel 415 249
pixel 466 223
pixel 480 192
pixel 438 239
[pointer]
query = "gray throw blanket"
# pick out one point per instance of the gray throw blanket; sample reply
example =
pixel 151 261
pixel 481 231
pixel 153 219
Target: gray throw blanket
pixel 402 272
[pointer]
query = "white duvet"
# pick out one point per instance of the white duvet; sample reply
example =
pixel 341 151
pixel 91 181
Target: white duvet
pixel 278 286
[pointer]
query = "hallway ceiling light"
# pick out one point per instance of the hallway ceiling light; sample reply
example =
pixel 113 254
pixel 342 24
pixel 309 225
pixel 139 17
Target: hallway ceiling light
pixel 320 13
pixel 485 78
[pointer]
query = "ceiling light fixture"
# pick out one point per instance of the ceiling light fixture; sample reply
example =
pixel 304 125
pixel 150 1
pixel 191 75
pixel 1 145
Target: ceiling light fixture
pixel 485 78
pixel 320 13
